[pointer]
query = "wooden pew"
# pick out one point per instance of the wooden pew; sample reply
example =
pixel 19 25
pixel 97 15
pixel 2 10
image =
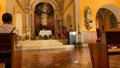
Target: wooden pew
pixel 10 52
pixel 113 40
pixel 99 55
pixel 100 51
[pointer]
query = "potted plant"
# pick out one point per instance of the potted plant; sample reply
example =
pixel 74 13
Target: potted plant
pixel 45 37
pixel 40 37
pixel 79 44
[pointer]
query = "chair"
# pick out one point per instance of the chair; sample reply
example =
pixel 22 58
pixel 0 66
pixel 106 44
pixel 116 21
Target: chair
pixel 8 50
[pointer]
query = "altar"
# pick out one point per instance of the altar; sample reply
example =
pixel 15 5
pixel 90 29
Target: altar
pixel 45 32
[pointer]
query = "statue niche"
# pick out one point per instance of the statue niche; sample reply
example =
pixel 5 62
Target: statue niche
pixel 44 18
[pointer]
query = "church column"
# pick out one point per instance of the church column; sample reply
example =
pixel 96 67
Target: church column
pixel 27 19
pixel 77 17
pixel 59 22
pixel 27 28
pixel 32 24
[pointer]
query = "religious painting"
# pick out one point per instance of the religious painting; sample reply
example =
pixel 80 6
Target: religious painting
pixel 44 17
pixel 113 21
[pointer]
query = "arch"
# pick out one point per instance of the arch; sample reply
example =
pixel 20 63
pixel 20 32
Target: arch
pixel 44 17
pixel 32 9
pixel 113 9
pixel 35 2
pixel 109 8
pixel 103 23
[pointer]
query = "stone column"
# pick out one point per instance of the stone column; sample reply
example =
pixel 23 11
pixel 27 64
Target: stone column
pixel 27 18
pixel 32 24
pixel 77 16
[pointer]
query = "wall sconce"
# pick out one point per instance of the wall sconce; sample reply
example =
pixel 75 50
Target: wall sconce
pixel 88 19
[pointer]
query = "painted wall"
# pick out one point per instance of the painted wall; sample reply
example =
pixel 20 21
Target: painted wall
pixel 2 9
pixel 94 6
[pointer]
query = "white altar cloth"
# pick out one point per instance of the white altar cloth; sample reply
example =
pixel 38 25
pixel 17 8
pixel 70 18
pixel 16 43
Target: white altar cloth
pixel 45 32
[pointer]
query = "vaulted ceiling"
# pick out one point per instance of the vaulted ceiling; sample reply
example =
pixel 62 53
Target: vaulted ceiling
pixel 24 4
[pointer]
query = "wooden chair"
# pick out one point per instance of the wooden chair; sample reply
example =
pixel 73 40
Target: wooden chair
pixel 8 50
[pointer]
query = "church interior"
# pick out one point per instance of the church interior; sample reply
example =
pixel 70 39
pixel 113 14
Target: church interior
pixel 64 33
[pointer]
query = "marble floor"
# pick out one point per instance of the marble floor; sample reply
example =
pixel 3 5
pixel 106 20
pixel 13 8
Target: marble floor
pixel 114 61
pixel 61 58
pixel 76 58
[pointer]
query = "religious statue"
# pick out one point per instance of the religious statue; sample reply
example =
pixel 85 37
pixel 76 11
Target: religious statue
pixel 88 18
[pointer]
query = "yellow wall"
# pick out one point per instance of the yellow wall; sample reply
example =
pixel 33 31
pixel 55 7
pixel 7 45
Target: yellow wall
pixel 70 11
pixel 107 24
pixel 94 5
pixel 2 9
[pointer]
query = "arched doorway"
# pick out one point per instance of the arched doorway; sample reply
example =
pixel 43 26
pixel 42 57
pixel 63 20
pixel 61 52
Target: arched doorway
pixel 44 18
pixel 107 20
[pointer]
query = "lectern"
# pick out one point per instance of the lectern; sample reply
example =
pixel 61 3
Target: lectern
pixel 72 37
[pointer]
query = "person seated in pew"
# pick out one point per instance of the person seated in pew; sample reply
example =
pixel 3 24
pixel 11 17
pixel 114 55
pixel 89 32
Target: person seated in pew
pixel 7 27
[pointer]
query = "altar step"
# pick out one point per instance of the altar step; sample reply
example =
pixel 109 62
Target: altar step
pixel 64 41
pixel 43 44
pixel 65 47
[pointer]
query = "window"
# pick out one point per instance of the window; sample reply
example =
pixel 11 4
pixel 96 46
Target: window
pixel 113 21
